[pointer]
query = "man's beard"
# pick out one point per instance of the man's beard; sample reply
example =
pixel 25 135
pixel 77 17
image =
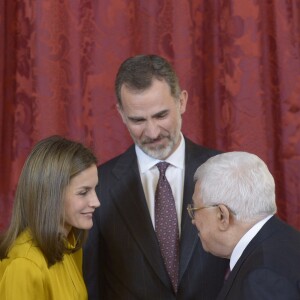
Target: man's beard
pixel 160 152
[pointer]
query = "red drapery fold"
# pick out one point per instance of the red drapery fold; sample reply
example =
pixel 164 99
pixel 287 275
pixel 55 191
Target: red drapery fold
pixel 239 61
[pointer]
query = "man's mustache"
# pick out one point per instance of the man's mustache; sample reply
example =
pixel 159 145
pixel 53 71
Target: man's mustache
pixel 150 141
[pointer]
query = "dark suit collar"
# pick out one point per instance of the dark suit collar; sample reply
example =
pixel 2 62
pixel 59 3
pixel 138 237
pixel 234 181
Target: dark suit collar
pixel 272 226
pixel 189 236
pixel 126 162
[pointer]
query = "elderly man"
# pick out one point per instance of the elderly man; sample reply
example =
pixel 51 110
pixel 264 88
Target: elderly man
pixel 233 209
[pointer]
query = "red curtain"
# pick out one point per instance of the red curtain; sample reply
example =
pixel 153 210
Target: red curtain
pixel 239 61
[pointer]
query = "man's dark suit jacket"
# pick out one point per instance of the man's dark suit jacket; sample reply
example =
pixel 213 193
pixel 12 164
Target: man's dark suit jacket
pixel 122 259
pixel 269 267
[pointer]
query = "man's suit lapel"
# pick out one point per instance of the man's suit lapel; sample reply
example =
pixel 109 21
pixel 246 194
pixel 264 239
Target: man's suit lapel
pixel 189 236
pixel 133 208
pixel 272 226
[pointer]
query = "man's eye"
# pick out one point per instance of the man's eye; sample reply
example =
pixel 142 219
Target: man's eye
pixel 137 120
pixel 161 116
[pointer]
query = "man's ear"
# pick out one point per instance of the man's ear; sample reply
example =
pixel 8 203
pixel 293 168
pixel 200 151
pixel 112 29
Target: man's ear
pixel 121 112
pixel 183 101
pixel 223 217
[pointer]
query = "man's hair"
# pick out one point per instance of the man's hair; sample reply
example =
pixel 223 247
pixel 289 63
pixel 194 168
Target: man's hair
pixel 40 193
pixel 239 180
pixel 138 72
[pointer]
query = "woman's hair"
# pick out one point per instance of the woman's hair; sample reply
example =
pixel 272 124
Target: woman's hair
pixel 38 204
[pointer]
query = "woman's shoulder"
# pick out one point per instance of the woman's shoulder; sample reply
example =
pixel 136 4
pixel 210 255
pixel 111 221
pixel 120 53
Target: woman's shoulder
pixel 24 248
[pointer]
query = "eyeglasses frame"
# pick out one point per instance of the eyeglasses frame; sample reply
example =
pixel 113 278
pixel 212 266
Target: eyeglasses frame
pixel 191 210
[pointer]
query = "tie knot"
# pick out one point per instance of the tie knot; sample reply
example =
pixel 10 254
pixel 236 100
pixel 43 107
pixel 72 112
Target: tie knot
pixel 162 167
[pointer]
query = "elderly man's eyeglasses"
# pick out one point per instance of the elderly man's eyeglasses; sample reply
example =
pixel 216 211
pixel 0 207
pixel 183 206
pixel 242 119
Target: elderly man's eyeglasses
pixel 191 209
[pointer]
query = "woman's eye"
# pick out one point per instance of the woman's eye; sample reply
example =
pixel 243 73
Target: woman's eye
pixel 83 193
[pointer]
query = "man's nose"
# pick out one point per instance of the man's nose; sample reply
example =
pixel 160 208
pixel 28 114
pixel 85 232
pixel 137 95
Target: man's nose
pixel 152 130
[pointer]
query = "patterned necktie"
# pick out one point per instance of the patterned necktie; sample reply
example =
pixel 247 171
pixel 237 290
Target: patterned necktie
pixel 166 225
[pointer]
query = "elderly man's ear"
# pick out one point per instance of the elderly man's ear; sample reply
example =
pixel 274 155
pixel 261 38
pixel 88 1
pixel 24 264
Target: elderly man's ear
pixel 223 217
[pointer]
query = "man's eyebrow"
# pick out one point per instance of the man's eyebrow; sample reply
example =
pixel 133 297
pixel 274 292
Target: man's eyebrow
pixel 160 113
pixel 135 118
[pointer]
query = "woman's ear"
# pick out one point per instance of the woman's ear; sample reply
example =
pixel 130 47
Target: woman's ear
pixel 223 217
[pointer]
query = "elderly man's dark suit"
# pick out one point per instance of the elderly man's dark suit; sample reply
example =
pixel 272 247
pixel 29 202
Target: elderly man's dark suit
pixel 122 259
pixel 269 267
